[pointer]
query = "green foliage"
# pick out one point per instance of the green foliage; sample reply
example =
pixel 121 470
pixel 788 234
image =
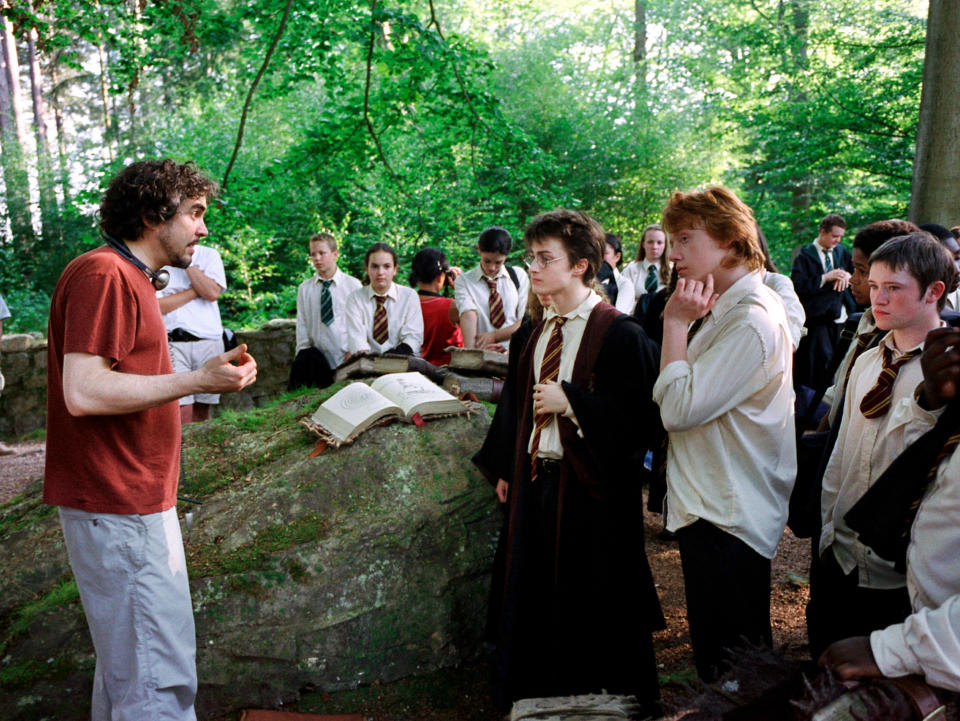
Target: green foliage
pixel 419 123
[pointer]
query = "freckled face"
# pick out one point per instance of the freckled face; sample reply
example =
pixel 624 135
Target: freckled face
pixel 695 254
pixel 896 297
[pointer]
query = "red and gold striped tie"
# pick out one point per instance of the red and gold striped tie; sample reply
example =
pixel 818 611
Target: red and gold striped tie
pixel 876 402
pixel 549 371
pixel 380 329
pixel 497 316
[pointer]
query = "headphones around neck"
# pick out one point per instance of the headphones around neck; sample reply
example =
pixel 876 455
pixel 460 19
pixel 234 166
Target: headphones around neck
pixel 159 278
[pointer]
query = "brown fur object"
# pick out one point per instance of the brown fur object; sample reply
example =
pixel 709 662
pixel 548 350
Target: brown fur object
pixel 761 685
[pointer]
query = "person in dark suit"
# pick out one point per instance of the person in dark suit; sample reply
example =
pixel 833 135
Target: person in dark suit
pixel 821 276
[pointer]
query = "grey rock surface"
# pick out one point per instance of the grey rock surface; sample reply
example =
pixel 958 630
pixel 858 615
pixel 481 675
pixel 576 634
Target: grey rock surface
pixel 366 563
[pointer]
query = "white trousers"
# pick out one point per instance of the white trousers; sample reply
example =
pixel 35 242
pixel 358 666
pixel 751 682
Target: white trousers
pixel 132 576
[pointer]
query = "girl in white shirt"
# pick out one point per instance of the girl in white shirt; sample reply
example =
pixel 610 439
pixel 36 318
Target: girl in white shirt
pixel 652 254
pixel 367 331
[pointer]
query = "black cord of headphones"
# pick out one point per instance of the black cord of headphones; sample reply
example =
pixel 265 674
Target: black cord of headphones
pixel 159 278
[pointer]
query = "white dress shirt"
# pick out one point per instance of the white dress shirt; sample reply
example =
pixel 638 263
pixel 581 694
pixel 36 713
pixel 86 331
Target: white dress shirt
pixel 471 292
pixel 404 319
pixel 864 449
pixel 312 332
pixel 626 294
pixel 728 410
pixel 928 641
pixel 200 316
pixel 953 300
pixel 636 273
pixel 796 316
pixel 572 334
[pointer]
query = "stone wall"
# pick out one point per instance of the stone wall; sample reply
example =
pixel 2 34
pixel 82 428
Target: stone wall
pixel 23 360
pixel 23 403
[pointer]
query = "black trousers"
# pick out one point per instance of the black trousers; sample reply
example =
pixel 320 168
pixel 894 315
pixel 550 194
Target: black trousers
pixel 310 368
pixel 727 587
pixel 575 619
pixel 811 362
pixel 840 608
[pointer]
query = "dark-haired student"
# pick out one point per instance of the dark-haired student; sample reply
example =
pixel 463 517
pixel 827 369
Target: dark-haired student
pixel 949 241
pixel 618 287
pixel 821 274
pixel 726 399
pixel 579 603
pixel 865 334
pixel 431 272
pixel 856 592
pixel 927 473
pixel 492 297
pixel 383 317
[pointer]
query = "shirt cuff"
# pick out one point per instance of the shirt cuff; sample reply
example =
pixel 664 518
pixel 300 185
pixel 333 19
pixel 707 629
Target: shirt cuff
pixel 823 280
pixel 672 371
pixel 891 652
pixel 573 417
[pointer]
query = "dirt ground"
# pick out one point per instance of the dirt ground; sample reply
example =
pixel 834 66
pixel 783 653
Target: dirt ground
pixel 464 694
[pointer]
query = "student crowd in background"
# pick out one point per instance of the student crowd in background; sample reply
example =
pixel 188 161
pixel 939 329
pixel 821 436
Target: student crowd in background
pixel 702 355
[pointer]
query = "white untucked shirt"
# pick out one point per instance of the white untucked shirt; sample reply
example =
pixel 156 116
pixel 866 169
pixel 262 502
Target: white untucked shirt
pixel 728 409
pixel 199 316
pixel 864 449
pixel 404 319
pixel 312 332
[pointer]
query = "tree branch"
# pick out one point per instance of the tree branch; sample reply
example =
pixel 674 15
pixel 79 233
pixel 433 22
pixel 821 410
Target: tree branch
pixel 366 99
pixel 456 71
pixel 253 88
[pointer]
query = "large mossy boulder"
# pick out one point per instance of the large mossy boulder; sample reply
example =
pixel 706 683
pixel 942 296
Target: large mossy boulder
pixel 366 563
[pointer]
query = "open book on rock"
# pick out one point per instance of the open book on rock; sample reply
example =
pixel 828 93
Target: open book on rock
pixel 358 406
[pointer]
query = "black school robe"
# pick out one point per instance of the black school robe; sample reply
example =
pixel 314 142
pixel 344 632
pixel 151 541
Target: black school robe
pixel 579 604
pixel 822 306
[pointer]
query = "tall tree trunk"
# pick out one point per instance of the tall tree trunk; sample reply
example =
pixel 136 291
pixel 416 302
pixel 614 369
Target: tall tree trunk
pixel 104 98
pixel 640 46
pixel 45 182
pixel 15 176
pixel 935 196
pixel 61 138
pixel 800 193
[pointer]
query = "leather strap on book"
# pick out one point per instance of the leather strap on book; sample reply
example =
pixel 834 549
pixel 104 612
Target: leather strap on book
pixel 922 697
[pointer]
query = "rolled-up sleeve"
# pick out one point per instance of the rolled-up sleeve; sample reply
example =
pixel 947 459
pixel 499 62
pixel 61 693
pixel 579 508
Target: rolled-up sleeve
pixel 927 643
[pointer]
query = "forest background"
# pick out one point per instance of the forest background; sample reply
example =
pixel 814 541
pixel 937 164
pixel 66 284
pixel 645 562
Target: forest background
pixel 421 123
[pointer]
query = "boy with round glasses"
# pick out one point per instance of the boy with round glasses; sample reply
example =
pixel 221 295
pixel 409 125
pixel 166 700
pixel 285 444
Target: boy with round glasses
pixel 579 603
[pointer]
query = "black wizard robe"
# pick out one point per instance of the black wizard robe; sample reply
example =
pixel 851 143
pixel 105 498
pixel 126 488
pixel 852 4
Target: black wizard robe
pixel 579 604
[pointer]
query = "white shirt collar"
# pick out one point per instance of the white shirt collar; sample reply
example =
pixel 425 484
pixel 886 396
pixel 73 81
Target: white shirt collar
pixel 735 293
pixel 581 311
pixel 391 292
pixel 335 278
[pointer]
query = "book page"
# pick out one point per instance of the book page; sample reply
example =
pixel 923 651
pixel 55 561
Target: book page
pixel 351 408
pixel 411 391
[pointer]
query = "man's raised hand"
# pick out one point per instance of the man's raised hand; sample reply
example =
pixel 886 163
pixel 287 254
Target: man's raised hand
pixel 229 372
